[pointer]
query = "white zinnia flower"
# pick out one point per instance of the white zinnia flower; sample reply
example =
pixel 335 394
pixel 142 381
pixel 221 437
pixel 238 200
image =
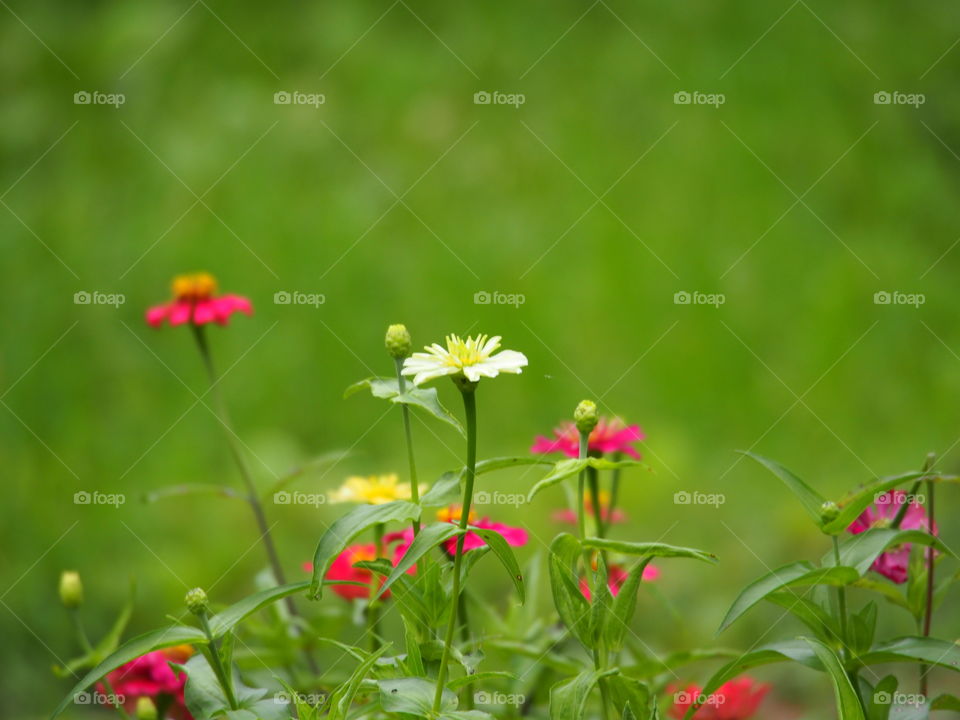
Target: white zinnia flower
pixel 472 358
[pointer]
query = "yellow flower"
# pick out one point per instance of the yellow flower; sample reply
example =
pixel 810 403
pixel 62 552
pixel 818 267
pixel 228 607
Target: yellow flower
pixel 373 490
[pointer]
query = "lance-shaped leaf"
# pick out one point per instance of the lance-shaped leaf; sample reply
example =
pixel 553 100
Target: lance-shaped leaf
pixel 428 538
pixel 413 695
pixel 624 605
pixel 796 650
pixel 792 575
pixel 342 532
pixel 424 398
pixel 569 467
pixel 808 497
pixel 223 622
pixel 140 645
pixel 862 549
pixel 568 699
pixel 571 605
pixel 931 651
pixel 648 549
pixel 501 548
pixel 848 703
pixel 855 503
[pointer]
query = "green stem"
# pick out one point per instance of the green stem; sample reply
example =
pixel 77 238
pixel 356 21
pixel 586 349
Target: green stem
pixel 373 609
pixel 465 638
pixel 108 686
pixel 414 486
pixel 928 614
pixel 253 498
pixel 470 411
pixel 594 484
pixel 841 598
pixel 614 491
pixel 81 633
pixel 213 656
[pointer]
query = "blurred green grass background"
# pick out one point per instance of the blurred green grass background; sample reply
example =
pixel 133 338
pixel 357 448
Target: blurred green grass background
pixel 400 198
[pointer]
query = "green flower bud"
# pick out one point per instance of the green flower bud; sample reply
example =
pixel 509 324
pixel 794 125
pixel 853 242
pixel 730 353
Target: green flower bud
pixel 829 511
pixel 586 417
pixel 71 589
pixel 196 601
pixel 398 341
pixel 146 710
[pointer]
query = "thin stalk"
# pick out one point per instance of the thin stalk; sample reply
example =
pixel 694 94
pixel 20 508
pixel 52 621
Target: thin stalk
pixel 470 411
pixel 253 498
pixel 465 637
pixel 593 483
pixel 373 609
pixel 88 648
pixel 213 656
pixel 414 486
pixel 841 598
pixel 108 686
pixel 928 613
pixel 614 491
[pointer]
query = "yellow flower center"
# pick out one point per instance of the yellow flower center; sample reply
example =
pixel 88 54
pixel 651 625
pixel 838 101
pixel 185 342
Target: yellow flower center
pixel 362 554
pixel 195 286
pixel 462 353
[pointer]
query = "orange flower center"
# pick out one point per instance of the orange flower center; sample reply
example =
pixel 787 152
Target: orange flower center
pixel 454 513
pixel 362 555
pixel 195 286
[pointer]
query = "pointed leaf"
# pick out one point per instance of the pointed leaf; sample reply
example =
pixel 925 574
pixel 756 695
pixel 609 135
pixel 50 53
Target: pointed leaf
pixel 223 622
pixel 809 498
pixel 501 548
pixel 428 538
pixel 862 549
pixel 568 699
pixel 413 695
pixel 346 528
pixel 848 703
pixel 424 398
pixel 648 549
pixel 931 651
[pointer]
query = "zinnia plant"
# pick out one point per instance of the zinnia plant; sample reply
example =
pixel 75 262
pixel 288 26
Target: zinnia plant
pixel 420 625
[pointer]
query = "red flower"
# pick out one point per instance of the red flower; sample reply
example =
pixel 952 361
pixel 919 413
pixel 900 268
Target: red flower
pixel 343 567
pixel 734 700
pixel 151 676
pixel 617 576
pixel 513 535
pixel 611 435
pixel 195 301
pixel 892 564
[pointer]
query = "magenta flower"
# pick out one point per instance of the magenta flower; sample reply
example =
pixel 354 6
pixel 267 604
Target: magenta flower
pixel 893 563
pixel 514 536
pixel 611 435
pixel 195 301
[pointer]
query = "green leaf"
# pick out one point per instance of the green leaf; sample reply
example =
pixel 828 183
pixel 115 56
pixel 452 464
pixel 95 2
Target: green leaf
pixel 862 549
pixel 444 491
pixel 140 645
pixel 464 680
pixel 342 532
pixel 569 467
pixel 946 701
pixel 191 489
pixel 931 651
pixel 855 503
pixel 848 703
pixel 624 605
pixel 502 463
pixel 808 612
pixel 571 605
pixel 792 575
pixel 501 548
pixel 206 700
pixel 809 498
pixel 413 695
pixel 627 692
pixel 568 699
pixel 424 398
pixel 428 538
pixel 225 621
pixel 648 549
pixel 863 626
pixel 341 699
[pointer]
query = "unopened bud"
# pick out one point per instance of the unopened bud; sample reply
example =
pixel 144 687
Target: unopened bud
pixel 146 709
pixel 586 417
pixel 829 511
pixel 398 341
pixel 196 601
pixel 71 589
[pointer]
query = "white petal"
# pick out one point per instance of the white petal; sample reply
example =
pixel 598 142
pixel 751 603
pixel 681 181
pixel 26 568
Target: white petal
pixel 508 361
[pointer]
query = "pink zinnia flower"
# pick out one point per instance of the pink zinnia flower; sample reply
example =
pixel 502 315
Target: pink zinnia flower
pixel 893 563
pixel 151 676
pixel 617 576
pixel 514 536
pixel 195 301
pixel 734 700
pixel 611 435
